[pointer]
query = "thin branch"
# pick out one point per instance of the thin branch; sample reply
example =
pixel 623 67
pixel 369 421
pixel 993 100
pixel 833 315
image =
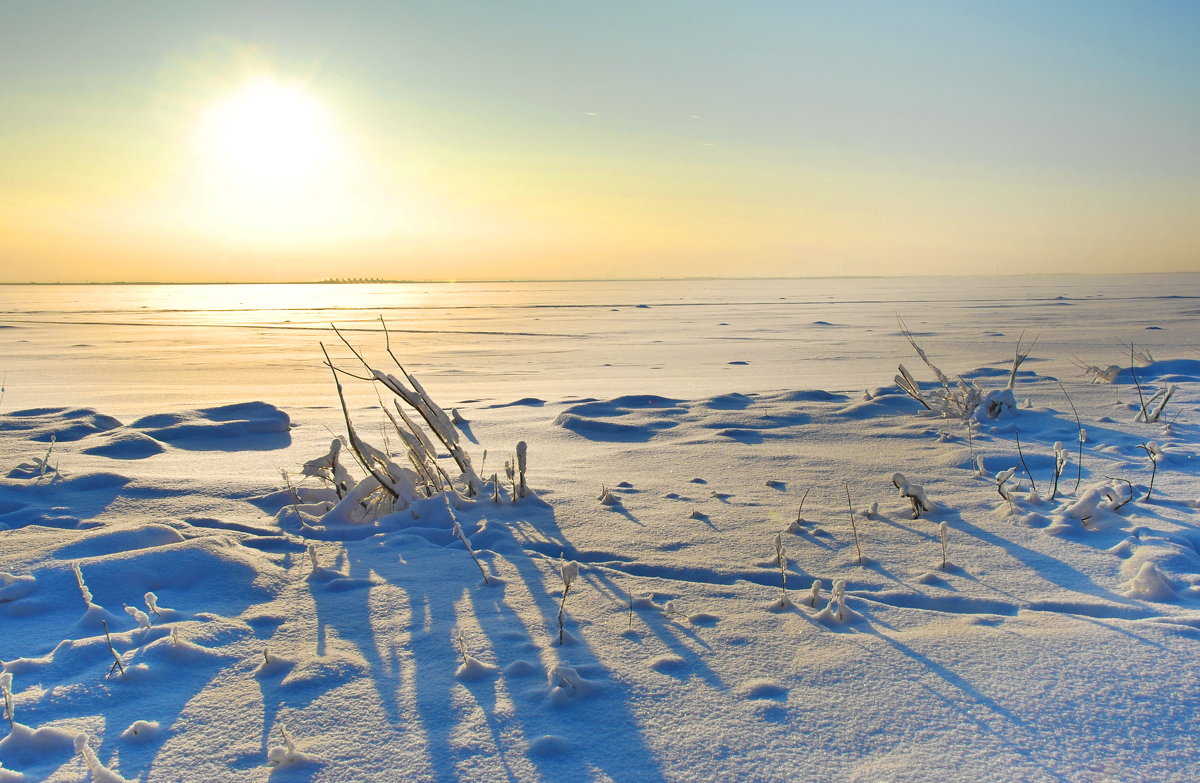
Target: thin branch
pixel 1021 454
pixel 1079 425
pixel 853 524
pixel 355 446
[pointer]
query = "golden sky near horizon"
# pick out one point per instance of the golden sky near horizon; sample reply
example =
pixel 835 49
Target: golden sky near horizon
pixel 266 141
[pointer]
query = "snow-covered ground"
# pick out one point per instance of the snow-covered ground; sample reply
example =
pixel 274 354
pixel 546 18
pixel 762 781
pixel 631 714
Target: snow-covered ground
pixel 674 428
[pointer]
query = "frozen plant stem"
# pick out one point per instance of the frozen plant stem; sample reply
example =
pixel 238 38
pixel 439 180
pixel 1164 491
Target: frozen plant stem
pixel 944 532
pixel 46 459
pixel 522 451
pixel 800 511
pixel 1001 479
pixel 1141 397
pixel 1154 453
pixel 6 688
pixel 838 599
pixel 781 559
pixel 1129 484
pixel 1060 463
pixel 1021 454
pixel 814 594
pixel 568 571
pixel 458 531
pixel 853 524
pixel 83 588
pixel 1082 438
pixel 353 439
pixel 292 491
pixel 117 665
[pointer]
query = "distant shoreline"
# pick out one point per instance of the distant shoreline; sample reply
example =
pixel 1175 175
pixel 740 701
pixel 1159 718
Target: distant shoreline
pixel 373 281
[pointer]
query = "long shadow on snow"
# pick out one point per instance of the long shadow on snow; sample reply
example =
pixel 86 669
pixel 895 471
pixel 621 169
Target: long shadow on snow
pixel 1012 722
pixel 431 659
pixel 1049 568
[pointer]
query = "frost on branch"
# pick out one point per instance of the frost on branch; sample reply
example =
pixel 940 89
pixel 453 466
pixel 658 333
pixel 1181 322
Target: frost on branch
pixel 421 456
pixel 965 399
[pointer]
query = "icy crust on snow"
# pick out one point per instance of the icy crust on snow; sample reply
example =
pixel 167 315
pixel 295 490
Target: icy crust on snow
pixel 751 597
pixel 249 614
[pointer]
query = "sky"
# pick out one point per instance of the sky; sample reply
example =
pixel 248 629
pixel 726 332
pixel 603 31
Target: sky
pixel 456 140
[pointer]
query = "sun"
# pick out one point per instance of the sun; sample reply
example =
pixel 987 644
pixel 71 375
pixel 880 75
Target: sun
pixel 266 135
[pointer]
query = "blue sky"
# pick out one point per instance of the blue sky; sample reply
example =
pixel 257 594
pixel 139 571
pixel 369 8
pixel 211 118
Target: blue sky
pixel 581 140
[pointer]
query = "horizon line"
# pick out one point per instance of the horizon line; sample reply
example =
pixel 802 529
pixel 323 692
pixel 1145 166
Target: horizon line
pixel 427 281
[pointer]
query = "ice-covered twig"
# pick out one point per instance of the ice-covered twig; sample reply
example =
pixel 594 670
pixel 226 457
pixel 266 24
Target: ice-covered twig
pixel 781 560
pixel 1154 452
pixel 944 533
pixel 83 588
pixel 522 451
pixel 6 689
pixel 914 493
pixel 1001 479
pixel 837 600
pixel 356 444
pixel 143 619
pixel 1082 437
pixel 458 531
pixel 1113 499
pixel 814 594
pixel 1021 455
pixel 117 664
pixel 568 571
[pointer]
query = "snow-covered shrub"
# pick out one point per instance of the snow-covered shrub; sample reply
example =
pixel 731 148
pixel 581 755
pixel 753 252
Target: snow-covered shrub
pixel 431 461
pixel 963 400
pixel 914 493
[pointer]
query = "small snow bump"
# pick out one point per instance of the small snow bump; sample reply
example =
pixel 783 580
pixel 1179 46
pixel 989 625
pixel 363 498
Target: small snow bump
pixel 549 746
pixel 520 668
pixel 762 688
pixel 666 663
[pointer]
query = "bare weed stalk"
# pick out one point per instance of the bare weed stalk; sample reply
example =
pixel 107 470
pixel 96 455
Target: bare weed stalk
pixel 853 524
pixel 1082 438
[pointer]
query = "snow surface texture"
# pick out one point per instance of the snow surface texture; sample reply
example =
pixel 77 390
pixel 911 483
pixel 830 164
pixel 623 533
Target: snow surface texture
pixel 1054 638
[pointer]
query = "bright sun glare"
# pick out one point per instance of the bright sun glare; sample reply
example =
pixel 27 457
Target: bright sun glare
pixel 266 135
pixel 274 168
